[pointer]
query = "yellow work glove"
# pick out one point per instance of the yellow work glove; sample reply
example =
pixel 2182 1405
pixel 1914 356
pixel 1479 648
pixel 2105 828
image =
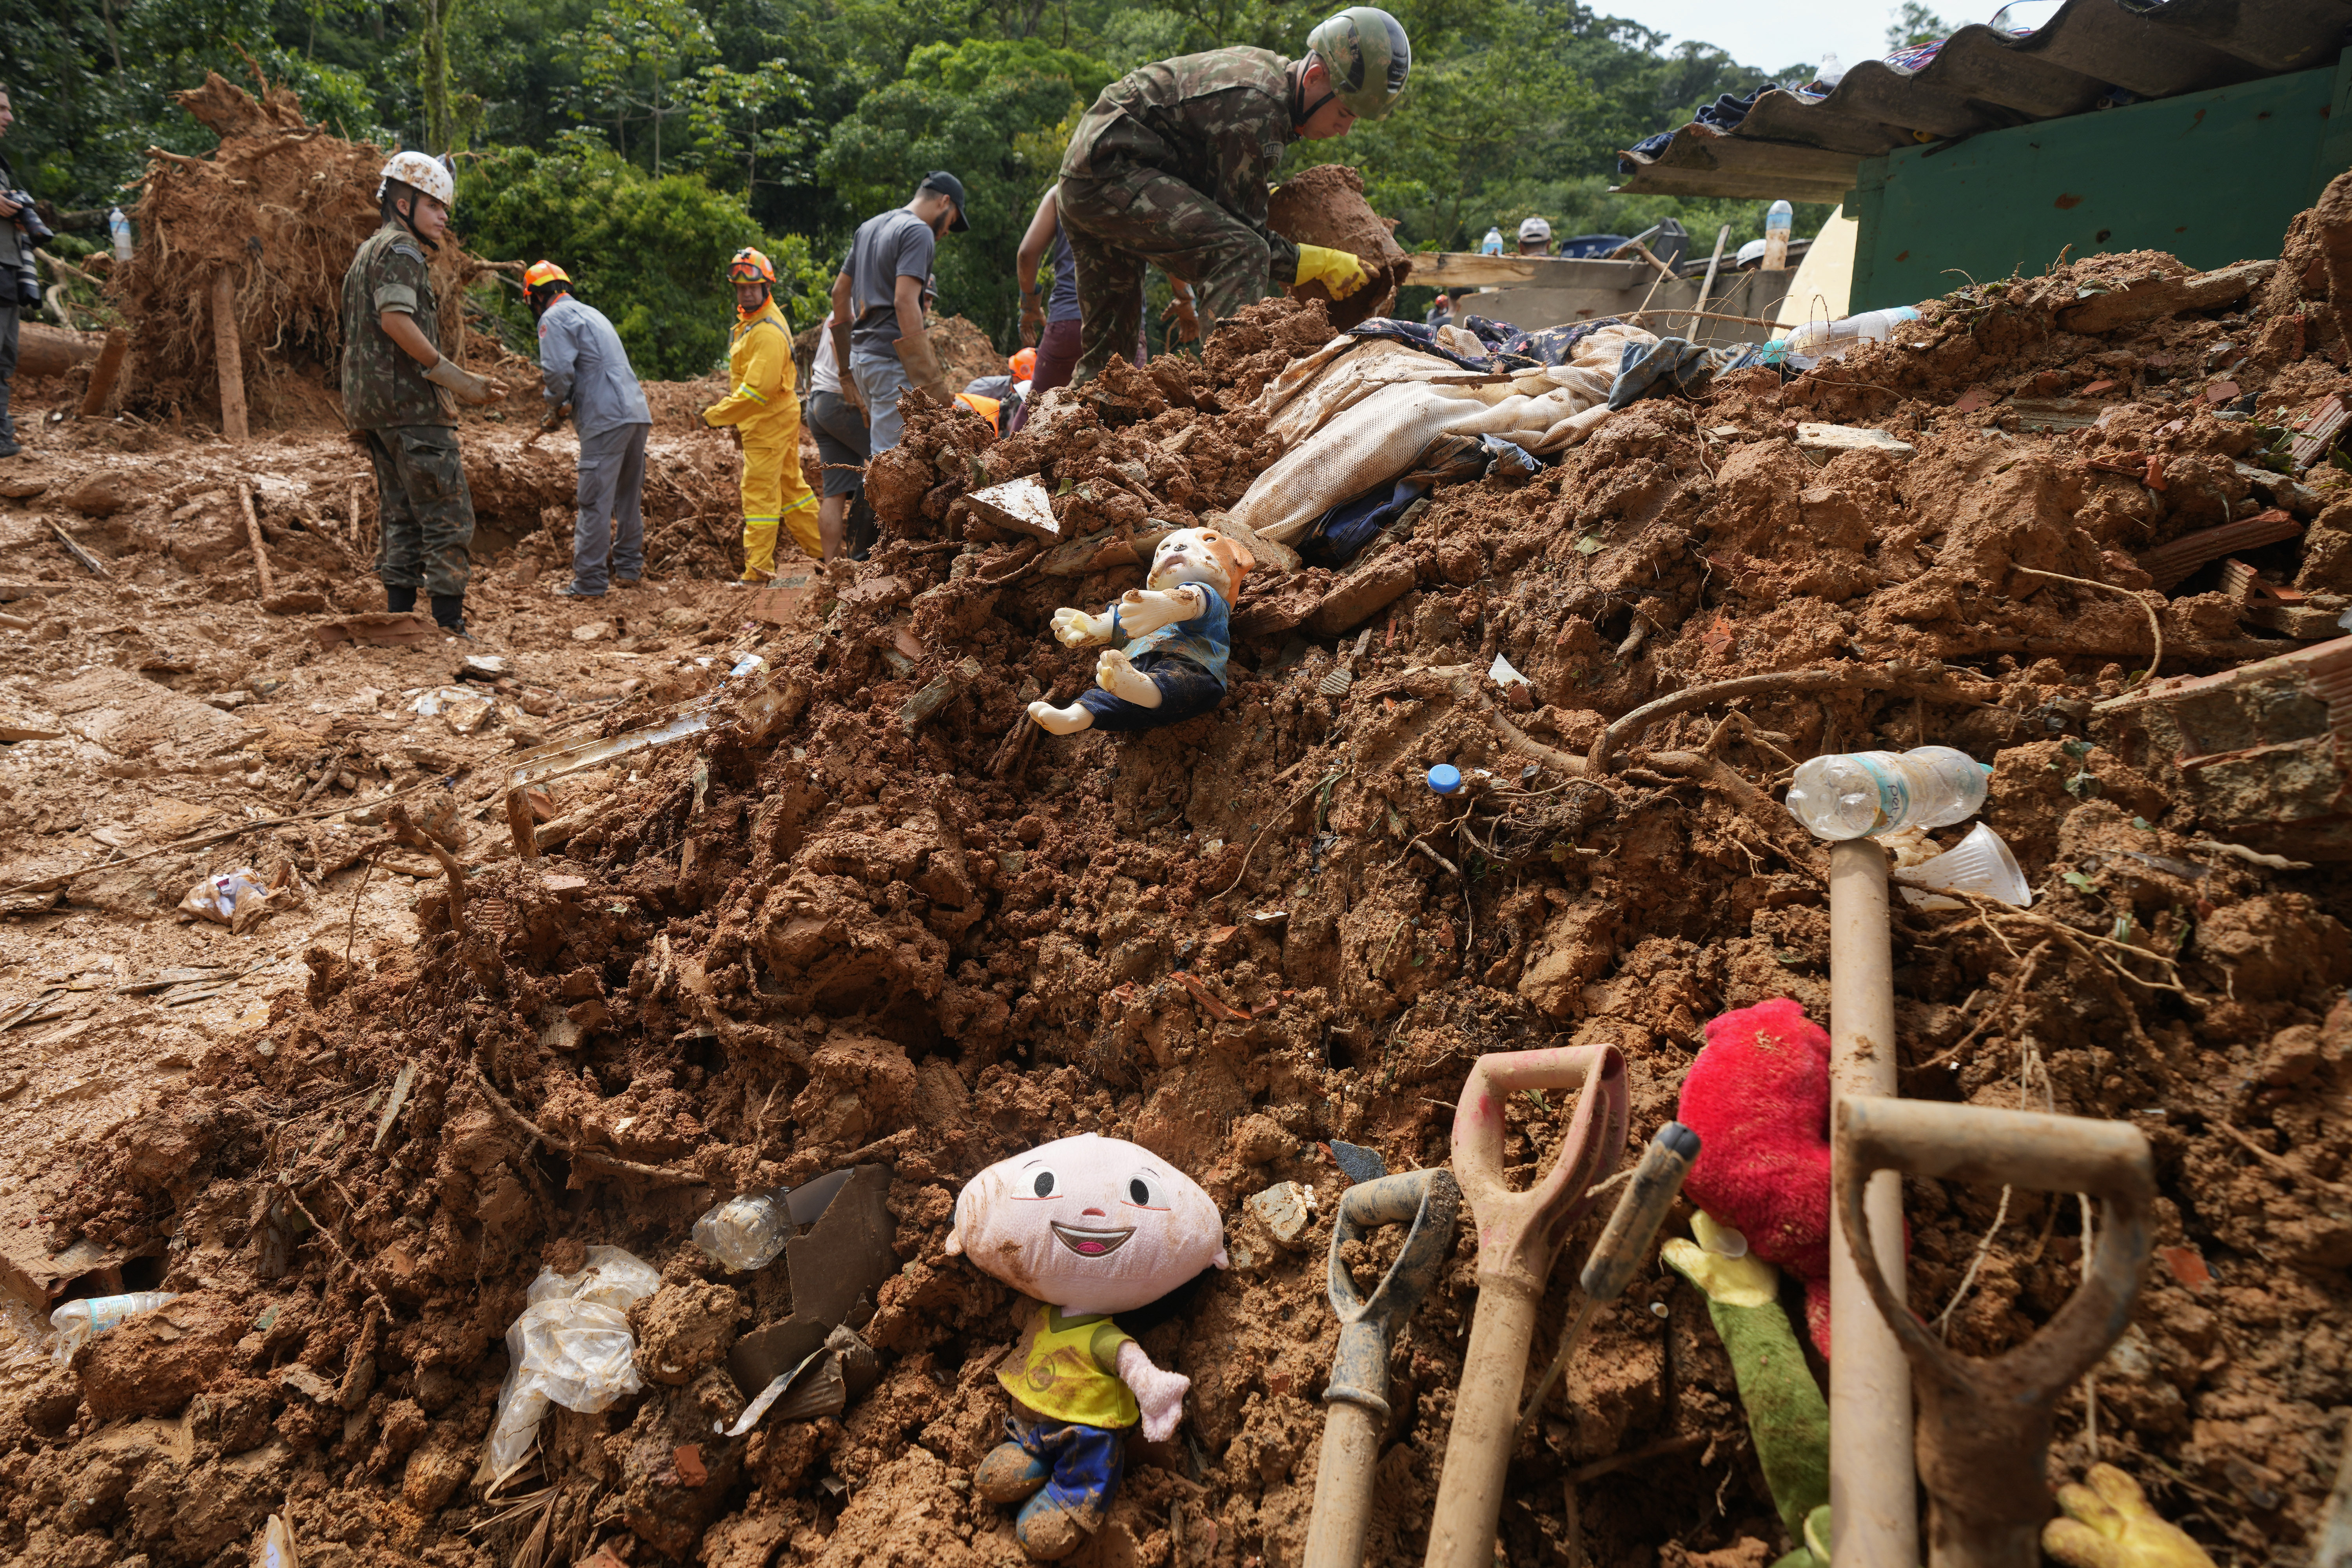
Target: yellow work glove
pixel 1338 270
pixel 2109 1524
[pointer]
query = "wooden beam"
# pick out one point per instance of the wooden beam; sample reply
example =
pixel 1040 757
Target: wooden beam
pixel 2146 301
pixel 101 378
pixel 229 355
pixel 1462 269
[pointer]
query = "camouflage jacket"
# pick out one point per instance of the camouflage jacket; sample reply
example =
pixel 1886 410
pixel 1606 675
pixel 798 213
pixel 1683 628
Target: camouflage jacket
pixel 1218 121
pixel 383 387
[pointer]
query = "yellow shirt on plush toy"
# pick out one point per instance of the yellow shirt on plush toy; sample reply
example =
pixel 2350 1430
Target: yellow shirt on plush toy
pixel 1066 1368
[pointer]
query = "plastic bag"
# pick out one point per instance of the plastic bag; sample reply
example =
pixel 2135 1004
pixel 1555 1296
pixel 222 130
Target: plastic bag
pixel 77 1322
pixel 217 898
pixel 572 1346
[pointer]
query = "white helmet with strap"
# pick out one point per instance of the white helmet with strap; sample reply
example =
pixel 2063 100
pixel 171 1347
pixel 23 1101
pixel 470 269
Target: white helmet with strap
pixel 422 173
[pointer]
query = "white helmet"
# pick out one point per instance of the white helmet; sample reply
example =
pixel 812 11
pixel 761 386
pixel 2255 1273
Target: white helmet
pixel 416 170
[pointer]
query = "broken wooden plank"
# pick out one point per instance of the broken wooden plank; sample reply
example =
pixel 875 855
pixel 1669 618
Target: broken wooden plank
pixel 90 564
pixel 2156 297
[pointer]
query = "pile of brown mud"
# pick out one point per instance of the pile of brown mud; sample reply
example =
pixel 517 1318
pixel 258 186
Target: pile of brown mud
pixel 877 918
pixel 280 206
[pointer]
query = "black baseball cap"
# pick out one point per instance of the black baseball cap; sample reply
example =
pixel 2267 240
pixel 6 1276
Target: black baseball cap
pixel 952 189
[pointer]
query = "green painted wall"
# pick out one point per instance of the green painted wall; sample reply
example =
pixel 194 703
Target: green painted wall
pixel 2212 177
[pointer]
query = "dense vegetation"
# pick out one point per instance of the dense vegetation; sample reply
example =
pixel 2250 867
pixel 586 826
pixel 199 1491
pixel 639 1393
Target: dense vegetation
pixel 639 141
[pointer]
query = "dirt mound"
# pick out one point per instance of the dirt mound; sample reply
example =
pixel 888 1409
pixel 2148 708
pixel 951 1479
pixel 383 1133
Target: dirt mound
pixel 281 206
pixel 876 919
pixel 1326 206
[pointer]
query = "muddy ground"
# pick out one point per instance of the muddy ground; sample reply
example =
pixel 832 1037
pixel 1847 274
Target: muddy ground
pixel 849 930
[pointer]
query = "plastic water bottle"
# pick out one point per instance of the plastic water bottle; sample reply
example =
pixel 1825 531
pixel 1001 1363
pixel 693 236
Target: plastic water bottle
pixel 119 228
pixel 78 1321
pixel 1864 793
pixel 1493 243
pixel 1833 70
pixel 1827 340
pixel 1776 219
pixel 747 1232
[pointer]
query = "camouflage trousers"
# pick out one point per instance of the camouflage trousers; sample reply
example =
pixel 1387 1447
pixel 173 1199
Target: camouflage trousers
pixel 1120 227
pixel 426 511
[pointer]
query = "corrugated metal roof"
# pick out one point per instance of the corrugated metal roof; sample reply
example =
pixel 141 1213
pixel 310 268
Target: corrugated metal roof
pixel 1807 150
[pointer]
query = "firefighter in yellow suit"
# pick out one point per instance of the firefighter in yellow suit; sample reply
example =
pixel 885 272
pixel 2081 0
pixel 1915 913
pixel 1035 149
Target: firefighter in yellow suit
pixel 764 409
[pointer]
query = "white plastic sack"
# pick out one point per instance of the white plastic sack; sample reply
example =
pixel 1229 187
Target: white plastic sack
pixel 571 1347
pixel 1379 433
pixel 217 898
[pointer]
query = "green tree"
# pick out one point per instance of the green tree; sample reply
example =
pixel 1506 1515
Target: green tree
pixel 649 251
pixel 978 111
pixel 632 56
pixel 739 118
pixel 1915 24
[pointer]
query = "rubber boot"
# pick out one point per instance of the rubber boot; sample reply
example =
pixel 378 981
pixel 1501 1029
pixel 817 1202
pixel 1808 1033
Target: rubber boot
pixel 399 601
pixel 449 612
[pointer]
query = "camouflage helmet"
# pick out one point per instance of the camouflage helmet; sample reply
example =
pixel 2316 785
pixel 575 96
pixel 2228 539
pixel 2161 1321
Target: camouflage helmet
pixel 1368 55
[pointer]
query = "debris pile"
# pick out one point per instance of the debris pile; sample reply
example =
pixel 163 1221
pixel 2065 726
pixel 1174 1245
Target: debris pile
pixel 280 208
pixel 868 917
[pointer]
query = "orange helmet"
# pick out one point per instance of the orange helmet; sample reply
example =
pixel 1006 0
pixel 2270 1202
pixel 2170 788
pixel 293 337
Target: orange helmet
pixel 750 266
pixel 540 273
pixel 1024 366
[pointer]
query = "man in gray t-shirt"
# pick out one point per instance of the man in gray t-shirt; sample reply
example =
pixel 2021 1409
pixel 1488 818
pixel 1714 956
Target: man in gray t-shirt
pixel 883 284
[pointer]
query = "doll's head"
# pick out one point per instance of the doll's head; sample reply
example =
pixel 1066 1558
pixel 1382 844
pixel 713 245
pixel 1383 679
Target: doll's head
pixel 1089 1225
pixel 1201 555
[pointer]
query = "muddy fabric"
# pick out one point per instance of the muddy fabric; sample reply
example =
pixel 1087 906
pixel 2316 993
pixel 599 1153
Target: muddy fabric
pixel 586 365
pixel 1066 1368
pixel 425 510
pixel 1168 169
pixel 1057 357
pixel 611 520
pixel 384 388
pixel 1089 1464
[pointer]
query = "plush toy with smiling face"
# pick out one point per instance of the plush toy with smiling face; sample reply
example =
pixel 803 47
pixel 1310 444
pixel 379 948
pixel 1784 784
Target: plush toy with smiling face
pixel 1174 667
pixel 1084 1227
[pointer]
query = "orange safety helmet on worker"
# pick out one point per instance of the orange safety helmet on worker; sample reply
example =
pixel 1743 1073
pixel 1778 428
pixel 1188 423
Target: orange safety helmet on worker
pixel 764 408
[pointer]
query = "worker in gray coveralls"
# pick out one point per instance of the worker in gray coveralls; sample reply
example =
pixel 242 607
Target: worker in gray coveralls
pixel 585 366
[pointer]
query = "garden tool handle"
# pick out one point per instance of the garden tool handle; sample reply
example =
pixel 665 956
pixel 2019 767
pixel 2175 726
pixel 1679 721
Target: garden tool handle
pixel 1357 1400
pixel 1625 1241
pixel 1985 1426
pixel 1519 1235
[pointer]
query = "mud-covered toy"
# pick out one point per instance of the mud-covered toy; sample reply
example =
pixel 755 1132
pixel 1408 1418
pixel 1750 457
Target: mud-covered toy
pixel 1084 1227
pixel 1173 667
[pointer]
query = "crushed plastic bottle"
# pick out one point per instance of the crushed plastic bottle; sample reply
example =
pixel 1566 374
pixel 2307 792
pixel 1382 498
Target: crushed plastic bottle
pixel 1831 70
pixel 1777 220
pixel 1493 243
pixel 747 1232
pixel 1856 795
pixel 78 1323
pixel 1829 339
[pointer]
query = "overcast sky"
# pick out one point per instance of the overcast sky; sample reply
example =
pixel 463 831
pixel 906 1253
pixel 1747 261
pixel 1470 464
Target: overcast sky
pixel 1770 34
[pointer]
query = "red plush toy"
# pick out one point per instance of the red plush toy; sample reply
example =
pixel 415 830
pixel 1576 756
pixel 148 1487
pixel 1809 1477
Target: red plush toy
pixel 1759 1097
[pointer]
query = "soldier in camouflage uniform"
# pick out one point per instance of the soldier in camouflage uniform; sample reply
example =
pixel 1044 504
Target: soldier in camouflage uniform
pixel 1168 169
pixel 400 395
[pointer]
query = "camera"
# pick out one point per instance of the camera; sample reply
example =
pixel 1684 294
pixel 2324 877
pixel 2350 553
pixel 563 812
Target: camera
pixel 28 217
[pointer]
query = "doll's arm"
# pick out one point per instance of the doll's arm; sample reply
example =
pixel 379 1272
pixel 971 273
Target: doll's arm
pixel 1160 1394
pixel 1075 628
pixel 1143 610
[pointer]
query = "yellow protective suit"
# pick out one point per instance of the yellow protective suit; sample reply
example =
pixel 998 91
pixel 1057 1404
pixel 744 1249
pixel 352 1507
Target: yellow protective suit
pixel 761 403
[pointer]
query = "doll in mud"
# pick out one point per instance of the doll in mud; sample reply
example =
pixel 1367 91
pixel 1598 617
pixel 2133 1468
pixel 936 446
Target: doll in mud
pixel 1174 667
pixel 1084 1227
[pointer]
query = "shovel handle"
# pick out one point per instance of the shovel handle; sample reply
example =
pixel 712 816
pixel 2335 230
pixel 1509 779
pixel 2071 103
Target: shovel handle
pixel 1520 1234
pixel 1356 1407
pixel 2107 1159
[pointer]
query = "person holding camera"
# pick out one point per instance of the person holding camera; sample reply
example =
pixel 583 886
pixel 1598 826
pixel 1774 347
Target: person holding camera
pixel 19 289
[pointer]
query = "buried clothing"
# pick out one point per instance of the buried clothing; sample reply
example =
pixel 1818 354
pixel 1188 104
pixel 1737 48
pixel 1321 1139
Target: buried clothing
pixel 1071 1411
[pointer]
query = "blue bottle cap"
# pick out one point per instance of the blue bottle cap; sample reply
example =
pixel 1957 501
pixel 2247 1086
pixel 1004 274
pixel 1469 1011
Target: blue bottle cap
pixel 1446 778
